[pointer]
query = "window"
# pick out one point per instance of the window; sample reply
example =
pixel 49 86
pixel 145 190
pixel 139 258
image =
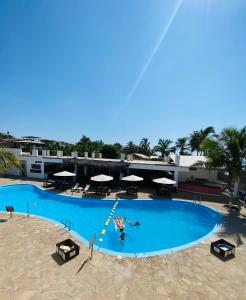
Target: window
pixel 35 171
pixel 35 166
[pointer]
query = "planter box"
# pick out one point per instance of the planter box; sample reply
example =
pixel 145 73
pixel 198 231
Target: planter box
pixel 223 248
pixel 67 249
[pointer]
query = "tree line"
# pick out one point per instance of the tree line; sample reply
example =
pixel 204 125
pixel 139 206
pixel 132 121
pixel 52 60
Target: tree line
pixel 183 146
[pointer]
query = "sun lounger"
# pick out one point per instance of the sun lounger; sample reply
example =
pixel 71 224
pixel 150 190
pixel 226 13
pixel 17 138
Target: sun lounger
pixel 86 189
pixel 75 188
pixel 48 183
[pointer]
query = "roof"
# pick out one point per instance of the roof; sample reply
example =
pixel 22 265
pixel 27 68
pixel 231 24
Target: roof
pixel 30 137
pixel 141 156
pixel 189 160
pixel 186 161
pixel 27 142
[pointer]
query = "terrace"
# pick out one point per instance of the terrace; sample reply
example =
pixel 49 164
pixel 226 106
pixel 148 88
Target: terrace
pixel 193 273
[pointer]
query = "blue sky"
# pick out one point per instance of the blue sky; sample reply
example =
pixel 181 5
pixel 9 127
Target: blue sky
pixel 121 70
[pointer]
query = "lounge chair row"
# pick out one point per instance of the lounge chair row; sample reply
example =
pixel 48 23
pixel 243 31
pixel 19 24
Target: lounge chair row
pixel 58 184
pixel 78 188
pixel 101 190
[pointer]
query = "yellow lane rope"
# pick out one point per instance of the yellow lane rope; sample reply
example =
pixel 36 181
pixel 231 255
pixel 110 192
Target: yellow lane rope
pixel 103 231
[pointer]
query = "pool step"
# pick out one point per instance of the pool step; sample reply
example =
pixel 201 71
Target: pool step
pixel 67 224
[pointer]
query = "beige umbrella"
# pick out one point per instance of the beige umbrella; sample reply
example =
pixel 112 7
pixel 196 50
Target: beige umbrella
pixel 64 174
pixel 132 178
pixel 164 180
pixel 101 178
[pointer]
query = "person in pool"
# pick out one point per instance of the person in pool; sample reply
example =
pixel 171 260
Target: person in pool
pixel 122 236
pixel 137 223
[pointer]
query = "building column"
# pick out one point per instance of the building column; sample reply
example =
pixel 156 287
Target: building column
pixel 75 172
pixel 176 178
pixel 85 171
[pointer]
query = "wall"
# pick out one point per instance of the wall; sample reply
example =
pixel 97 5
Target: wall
pixel 14 172
pixel 199 173
pixel 29 161
pixel 35 161
pixel 39 160
pixel 159 167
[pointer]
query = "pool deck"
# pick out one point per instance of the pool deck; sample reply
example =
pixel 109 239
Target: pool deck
pixel 29 269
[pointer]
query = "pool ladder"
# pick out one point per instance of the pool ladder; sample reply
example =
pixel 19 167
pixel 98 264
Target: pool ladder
pixel 67 224
pixel 196 202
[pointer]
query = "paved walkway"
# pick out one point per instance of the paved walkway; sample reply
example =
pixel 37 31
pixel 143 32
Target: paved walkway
pixel 29 270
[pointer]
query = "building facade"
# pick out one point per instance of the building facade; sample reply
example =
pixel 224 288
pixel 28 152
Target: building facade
pixel 41 165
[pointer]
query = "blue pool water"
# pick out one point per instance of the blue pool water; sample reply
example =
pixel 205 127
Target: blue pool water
pixel 165 224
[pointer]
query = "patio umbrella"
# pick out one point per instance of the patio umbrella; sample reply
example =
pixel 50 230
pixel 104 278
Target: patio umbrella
pixel 101 178
pixel 132 178
pixel 64 174
pixel 164 180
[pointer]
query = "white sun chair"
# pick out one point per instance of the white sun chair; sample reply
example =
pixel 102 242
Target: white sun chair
pixel 75 188
pixel 86 189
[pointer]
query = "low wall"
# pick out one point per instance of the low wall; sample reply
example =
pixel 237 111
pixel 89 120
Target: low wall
pixel 199 173
pixel 199 188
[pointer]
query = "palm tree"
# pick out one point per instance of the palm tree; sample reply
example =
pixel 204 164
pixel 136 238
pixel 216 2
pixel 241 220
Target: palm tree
pixel 195 141
pixel 131 148
pixel 97 146
pixel 164 146
pixel 144 147
pixel 181 144
pixel 227 151
pixel 84 145
pixel 8 160
pixel 197 138
pixel 118 147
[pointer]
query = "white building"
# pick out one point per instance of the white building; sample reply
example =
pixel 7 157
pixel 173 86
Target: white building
pixel 39 163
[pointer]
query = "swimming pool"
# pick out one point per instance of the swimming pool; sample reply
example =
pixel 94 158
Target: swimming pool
pixel 165 225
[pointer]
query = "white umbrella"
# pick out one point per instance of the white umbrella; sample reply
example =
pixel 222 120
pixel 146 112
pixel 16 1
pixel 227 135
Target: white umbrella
pixel 101 178
pixel 132 178
pixel 164 180
pixel 64 174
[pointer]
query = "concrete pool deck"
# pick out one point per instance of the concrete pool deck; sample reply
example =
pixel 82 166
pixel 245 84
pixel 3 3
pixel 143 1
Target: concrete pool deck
pixel 29 270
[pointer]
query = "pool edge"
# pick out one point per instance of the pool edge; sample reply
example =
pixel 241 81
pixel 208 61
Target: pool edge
pixel 129 255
